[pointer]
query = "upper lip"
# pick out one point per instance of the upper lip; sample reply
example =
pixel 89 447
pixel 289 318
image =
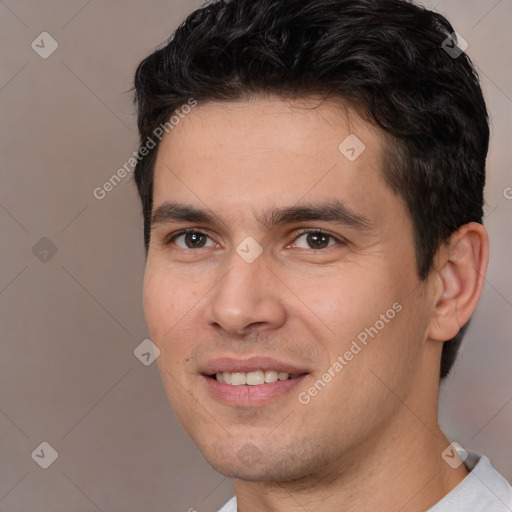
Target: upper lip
pixel 238 365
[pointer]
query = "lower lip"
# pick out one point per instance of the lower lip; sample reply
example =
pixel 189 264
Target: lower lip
pixel 247 396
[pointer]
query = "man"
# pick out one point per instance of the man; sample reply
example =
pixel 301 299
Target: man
pixel 312 176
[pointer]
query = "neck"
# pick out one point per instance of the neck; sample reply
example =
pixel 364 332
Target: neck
pixel 399 468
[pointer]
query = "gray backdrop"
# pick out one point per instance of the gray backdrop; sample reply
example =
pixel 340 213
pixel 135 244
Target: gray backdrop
pixel 72 266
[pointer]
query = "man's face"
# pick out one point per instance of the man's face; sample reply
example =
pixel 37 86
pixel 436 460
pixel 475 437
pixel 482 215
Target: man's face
pixel 271 280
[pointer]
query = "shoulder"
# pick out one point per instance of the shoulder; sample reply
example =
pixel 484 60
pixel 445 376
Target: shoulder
pixel 483 490
pixel 230 506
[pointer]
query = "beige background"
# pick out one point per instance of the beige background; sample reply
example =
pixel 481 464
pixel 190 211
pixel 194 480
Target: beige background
pixel 69 325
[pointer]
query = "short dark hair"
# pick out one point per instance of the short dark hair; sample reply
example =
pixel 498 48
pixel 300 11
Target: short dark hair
pixel 389 59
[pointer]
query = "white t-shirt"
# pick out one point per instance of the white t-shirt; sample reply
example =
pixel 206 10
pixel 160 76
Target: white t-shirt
pixel 483 490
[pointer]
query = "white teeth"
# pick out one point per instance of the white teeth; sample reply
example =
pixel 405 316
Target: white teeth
pixel 255 378
pixel 271 376
pixel 238 379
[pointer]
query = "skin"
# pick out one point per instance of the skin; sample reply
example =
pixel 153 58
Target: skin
pixel 369 440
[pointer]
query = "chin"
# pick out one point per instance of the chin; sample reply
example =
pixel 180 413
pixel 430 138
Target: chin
pixel 240 472
pixel 251 464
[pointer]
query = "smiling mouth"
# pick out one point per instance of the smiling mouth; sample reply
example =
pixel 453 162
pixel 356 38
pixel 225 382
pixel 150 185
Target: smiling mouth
pixel 254 378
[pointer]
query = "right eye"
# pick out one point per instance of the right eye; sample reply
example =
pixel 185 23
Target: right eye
pixel 189 239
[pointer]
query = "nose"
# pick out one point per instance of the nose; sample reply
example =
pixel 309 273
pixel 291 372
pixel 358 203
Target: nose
pixel 246 299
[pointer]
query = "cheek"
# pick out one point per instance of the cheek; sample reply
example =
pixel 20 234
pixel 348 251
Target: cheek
pixel 155 301
pixel 166 318
pixel 351 300
pixel 370 316
pixel 171 310
pixel 162 306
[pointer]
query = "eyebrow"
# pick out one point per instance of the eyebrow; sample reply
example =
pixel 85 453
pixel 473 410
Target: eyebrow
pixel 331 211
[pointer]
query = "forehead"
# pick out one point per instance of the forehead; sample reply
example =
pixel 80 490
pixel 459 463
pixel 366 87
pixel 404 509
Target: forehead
pixel 269 150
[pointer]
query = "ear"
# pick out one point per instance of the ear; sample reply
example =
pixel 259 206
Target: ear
pixel 459 269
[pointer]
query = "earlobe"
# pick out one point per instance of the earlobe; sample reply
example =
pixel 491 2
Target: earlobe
pixel 460 271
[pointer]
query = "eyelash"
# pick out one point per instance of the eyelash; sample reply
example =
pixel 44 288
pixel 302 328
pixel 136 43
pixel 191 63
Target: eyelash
pixel 304 231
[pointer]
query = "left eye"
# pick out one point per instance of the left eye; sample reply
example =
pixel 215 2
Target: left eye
pixel 315 240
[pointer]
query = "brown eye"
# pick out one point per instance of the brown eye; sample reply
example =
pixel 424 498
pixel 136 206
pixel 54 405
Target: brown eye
pixel 315 240
pixel 191 240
